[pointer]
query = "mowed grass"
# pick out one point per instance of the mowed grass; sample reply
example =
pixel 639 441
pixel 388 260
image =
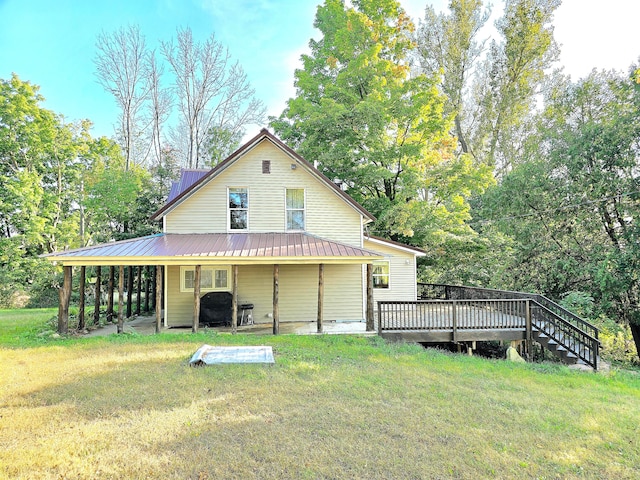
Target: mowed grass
pixel 331 407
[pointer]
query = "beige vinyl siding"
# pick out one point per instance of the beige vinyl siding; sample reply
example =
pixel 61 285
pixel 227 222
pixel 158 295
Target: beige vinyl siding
pixel 179 304
pixel 298 293
pixel 327 215
pixel 402 277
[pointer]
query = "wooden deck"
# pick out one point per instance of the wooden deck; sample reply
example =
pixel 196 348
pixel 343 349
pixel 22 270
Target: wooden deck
pixel 454 321
pixel 451 313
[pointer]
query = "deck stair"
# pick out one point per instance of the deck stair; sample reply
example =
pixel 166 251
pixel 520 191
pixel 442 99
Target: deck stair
pixel 569 337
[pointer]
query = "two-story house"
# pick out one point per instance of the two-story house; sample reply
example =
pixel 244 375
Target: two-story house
pixel 270 229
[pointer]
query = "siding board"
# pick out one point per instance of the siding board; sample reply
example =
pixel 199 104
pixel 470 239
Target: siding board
pixel 205 211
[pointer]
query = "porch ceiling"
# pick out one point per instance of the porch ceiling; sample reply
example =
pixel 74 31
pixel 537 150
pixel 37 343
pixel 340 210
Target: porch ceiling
pixel 217 249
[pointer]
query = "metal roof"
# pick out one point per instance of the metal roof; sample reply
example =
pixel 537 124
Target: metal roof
pixel 188 176
pixel 217 248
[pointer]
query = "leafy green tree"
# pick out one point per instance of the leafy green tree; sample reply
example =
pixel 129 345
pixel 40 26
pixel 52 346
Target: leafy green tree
pixel 112 193
pixel 493 95
pixel 376 128
pixel 41 164
pixel 573 206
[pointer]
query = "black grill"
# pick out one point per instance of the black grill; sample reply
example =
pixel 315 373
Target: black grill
pixel 215 309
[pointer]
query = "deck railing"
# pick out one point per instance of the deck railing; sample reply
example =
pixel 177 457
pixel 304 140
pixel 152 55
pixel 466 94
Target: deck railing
pixel 567 329
pixel 455 315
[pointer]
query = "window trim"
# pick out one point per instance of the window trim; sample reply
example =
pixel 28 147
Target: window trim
pixel 379 275
pixel 213 269
pixel 303 209
pixel 229 209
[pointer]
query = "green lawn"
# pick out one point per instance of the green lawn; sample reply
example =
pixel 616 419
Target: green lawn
pixel 331 407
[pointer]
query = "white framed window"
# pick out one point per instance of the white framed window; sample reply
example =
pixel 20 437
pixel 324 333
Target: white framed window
pixel 295 211
pixel 380 274
pixel 212 279
pixel 238 206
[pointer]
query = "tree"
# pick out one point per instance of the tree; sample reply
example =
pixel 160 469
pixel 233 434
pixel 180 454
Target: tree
pixel 213 94
pixel 573 206
pixel 123 69
pixel 447 46
pixel 159 106
pixel 492 96
pixel 41 164
pixel 368 123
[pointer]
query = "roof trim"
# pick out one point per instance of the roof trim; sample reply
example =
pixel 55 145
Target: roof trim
pixel 264 134
pixel 418 252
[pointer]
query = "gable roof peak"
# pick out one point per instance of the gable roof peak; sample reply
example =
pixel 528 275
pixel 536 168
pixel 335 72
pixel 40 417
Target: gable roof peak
pixel 264 134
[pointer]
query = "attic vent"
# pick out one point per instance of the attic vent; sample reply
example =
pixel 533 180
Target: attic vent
pixel 266 166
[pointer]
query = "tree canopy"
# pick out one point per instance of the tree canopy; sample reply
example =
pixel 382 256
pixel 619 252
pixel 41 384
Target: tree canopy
pixel 376 128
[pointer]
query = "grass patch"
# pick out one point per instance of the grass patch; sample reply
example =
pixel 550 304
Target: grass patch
pixel 331 407
pixel 20 327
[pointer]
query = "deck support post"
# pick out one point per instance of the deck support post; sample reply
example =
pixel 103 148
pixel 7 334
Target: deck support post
pixel 158 295
pixel 81 305
pixel 64 294
pixel 276 308
pixel 196 299
pixel 112 275
pixel 129 290
pixel 234 299
pixel 120 299
pixel 370 322
pixel 320 296
pixel 98 292
pixel 529 340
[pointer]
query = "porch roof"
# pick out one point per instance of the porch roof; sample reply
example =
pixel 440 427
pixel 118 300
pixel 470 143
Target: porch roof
pixel 217 249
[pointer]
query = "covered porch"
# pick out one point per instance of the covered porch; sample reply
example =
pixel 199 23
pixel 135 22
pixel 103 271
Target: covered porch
pixel 292 275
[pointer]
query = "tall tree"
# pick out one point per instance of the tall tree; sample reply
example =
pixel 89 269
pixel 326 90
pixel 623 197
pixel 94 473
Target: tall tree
pixel 212 92
pixel 122 68
pixel 448 46
pixel 159 105
pixel 381 132
pixel 492 95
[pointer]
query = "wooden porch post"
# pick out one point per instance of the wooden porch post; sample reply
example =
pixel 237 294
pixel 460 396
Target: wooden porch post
pixel 234 299
pixel 320 296
pixel 154 283
pixel 158 295
pixel 276 308
pixel 129 290
pixel 147 288
pixel 120 299
pixel 196 299
pixel 83 284
pixel 112 274
pixel 98 292
pixel 139 290
pixel 64 294
pixel 370 322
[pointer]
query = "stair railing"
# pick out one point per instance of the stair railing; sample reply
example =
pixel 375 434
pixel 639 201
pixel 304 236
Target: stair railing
pixel 573 333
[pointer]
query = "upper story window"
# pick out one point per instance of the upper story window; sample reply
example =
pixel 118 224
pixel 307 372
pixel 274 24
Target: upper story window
pixel 238 208
pixel 295 208
pixel 380 274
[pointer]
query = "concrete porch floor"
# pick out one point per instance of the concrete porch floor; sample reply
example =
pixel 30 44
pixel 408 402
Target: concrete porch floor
pixel 145 325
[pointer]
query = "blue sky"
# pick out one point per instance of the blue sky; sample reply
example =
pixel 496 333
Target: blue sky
pixel 52 42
